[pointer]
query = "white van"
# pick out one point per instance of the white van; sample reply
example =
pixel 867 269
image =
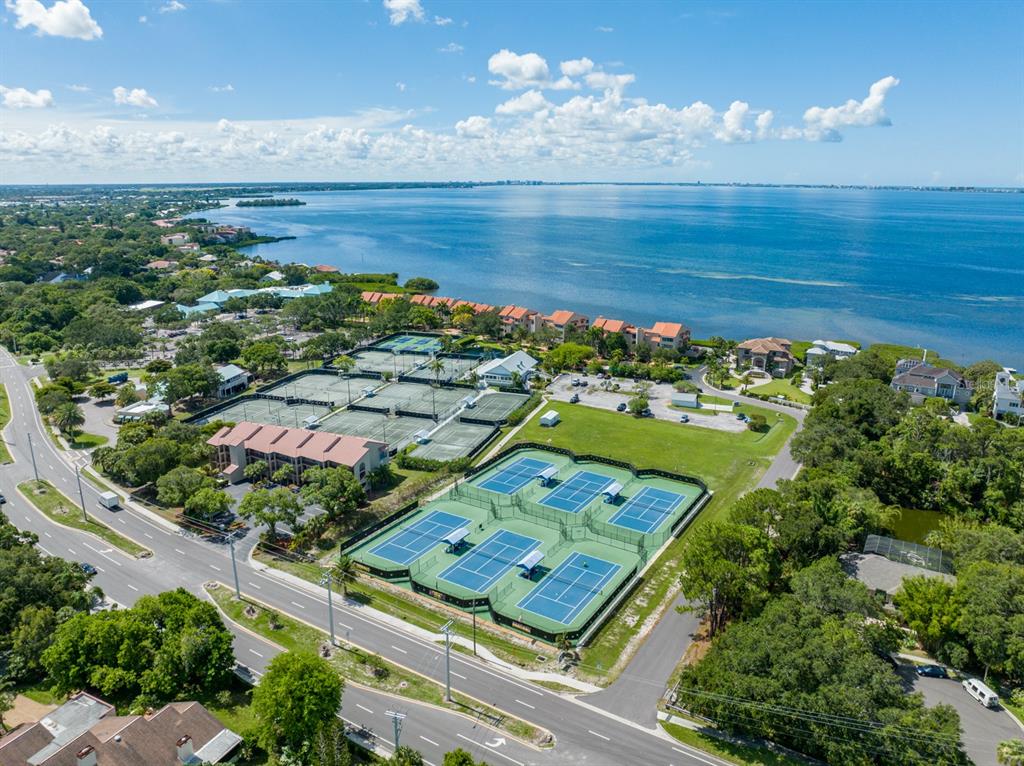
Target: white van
pixel 109 500
pixel 981 692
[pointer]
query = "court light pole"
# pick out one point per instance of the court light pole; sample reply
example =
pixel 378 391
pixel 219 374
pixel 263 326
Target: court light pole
pixel 326 580
pixel 32 452
pixel 447 630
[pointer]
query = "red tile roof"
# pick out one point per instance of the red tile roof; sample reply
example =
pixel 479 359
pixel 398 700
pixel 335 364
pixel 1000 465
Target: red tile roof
pixel 296 443
pixel 667 329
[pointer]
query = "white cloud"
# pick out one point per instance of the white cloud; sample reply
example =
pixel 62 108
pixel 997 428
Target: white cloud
pixel 401 86
pixel 78 88
pixel 470 78
pixel 576 67
pixel 604 29
pixel 65 18
pixel 451 48
pixel 530 102
pixel 172 6
pixel 134 97
pixel 401 11
pixel 529 70
pixel 613 83
pixel 442 21
pixel 732 130
pixel 20 98
pixel 473 127
pixel 823 123
pixel 228 88
pixel 143 19
pixel 764 124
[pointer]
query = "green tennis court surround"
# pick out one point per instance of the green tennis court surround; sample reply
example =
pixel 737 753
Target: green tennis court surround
pixel 546 541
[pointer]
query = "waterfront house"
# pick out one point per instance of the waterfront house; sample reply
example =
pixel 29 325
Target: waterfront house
pixel 296 448
pixel 923 381
pixel 86 731
pixel 771 355
pixel 671 335
pixel 1008 397
pixel 823 350
pixel 175 240
pixel 562 321
pixel 624 329
pixel 502 372
pixel 272 276
pixel 515 317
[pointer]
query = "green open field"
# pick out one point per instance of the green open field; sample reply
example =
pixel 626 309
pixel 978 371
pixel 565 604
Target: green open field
pixel 5 418
pixel 60 509
pixel 729 463
pixel 782 387
pixel 82 440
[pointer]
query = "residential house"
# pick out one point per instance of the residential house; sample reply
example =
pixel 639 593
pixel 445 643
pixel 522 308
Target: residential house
pixel 175 240
pixel 503 372
pixel 145 305
pixel 373 298
pixel 162 264
pixel 624 329
pixel 208 258
pixel 771 355
pixel 1008 397
pixel 664 335
pixel 515 317
pixel 922 381
pixel 86 731
pixel 272 276
pixel 190 249
pixel 215 300
pixel 823 350
pixel 296 448
pixel 563 321
pixel 233 380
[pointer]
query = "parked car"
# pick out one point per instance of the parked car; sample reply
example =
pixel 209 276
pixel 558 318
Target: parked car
pixel 932 671
pixel 977 689
pixel 621 407
pixel 740 416
pixel 583 383
pixel 574 398
pixel 647 413
pixel 88 568
pixel 684 418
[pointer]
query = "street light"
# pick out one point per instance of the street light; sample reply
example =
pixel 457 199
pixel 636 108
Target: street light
pixel 326 580
pixel 234 568
pixel 81 497
pixel 32 452
pixel 447 630
pixel 396 719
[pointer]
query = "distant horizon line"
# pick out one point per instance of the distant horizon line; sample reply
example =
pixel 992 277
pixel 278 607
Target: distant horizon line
pixel 319 185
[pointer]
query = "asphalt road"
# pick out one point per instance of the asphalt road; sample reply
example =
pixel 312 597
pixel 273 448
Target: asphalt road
pixel 585 734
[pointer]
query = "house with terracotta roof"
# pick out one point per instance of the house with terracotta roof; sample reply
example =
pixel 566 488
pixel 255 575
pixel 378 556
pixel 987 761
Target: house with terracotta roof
pixel 563 321
pixel 515 317
pixel 608 326
pixel 922 381
pixel 671 335
pixel 771 355
pixel 86 731
pixel 373 298
pixel 295 448
pixel 161 264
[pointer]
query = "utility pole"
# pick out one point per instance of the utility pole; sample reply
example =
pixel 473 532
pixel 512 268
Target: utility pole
pixel 447 630
pixel 81 497
pixel 234 568
pixel 396 719
pixel 326 580
pixel 32 452
pixel 474 630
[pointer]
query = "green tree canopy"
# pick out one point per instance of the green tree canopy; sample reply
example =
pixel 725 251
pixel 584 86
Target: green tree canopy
pixel 298 695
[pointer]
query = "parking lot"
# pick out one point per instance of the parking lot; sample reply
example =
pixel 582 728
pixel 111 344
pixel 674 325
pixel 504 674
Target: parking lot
pixel 659 398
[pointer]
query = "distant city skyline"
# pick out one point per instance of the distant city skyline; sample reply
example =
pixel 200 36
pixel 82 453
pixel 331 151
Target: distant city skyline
pixel 790 93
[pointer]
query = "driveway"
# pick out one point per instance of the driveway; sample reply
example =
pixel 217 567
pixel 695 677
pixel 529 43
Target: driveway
pixel 659 398
pixel 983 728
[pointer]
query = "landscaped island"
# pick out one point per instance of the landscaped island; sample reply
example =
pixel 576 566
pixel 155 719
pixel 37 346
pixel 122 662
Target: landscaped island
pixel 270 202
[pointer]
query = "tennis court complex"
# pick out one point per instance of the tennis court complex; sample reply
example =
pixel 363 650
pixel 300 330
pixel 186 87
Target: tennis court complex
pixel 647 510
pixel 412 542
pixel 268 411
pixel 579 491
pixel 396 432
pixel 549 562
pixel 424 344
pixel 496 407
pixel 479 569
pixel 320 386
pixel 415 397
pixel 566 591
pixel 374 360
pixel 454 440
pixel 454 368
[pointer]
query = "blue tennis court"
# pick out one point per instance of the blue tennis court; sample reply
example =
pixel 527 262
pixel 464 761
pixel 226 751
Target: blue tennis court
pixel 576 493
pixel 515 476
pixel 566 591
pixel 485 564
pixel 647 510
pixel 412 542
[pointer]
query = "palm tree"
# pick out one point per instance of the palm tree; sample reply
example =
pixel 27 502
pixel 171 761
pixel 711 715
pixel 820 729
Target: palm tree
pixel 68 417
pixel 344 572
pixel 744 382
pixel 1011 752
pixel 436 366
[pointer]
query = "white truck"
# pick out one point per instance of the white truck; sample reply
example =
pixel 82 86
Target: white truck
pixel 109 500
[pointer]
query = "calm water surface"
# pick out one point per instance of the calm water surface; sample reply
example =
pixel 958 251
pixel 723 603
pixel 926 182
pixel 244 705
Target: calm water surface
pixel 939 269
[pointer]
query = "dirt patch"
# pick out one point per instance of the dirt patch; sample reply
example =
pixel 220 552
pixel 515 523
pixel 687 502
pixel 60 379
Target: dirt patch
pixel 26 711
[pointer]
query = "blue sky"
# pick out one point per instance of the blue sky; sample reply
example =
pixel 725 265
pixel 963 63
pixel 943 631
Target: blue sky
pixel 829 92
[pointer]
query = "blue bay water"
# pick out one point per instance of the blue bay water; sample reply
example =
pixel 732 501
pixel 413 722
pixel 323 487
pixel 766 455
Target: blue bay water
pixel 936 269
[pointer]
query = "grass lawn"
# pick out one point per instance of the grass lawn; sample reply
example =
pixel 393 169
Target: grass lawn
pixel 892 353
pixel 744 755
pixel 711 399
pixel 356 666
pixel 729 463
pixel 87 441
pixel 60 509
pixel 5 418
pixel 782 387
